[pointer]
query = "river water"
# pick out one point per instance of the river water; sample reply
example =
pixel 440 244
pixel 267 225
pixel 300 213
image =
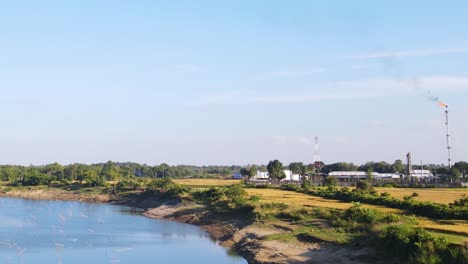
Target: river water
pixel 73 232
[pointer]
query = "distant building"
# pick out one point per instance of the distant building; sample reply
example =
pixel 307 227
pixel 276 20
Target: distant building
pixel 421 174
pixel 237 175
pixel 262 175
pixel 290 176
pixel 354 176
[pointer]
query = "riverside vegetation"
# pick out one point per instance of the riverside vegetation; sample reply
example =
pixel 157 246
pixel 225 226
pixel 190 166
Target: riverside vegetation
pixel 393 236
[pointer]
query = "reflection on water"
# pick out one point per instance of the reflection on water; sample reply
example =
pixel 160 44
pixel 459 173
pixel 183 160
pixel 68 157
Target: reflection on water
pixel 73 232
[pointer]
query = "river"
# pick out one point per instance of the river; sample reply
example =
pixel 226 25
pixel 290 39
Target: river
pixel 73 232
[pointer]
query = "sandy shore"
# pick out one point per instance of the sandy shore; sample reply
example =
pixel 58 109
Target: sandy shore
pixel 247 240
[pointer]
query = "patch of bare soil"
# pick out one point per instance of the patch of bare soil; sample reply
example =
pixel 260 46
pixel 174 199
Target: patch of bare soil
pixel 57 194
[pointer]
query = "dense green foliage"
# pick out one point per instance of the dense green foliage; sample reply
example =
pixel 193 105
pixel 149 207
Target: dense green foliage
pixel 419 246
pixel 97 174
pixel 275 169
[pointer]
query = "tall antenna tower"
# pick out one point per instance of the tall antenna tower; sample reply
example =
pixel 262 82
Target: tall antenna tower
pixel 317 161
pixel 448 137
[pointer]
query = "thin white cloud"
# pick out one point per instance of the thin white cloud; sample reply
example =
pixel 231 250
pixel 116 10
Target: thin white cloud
pixel 411 53
pixel 349 90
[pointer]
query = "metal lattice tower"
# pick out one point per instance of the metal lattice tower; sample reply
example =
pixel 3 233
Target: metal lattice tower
pixel 317 160
pixel 448 137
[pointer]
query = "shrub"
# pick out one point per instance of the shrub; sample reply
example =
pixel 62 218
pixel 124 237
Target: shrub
pixel 461 202
pixel 255 198
pixel 330 182
pixel 418 246
pixel 415 194
pixel 391 218
pixel 269 210
pixel 385 194
pixel 306 185
pixel 407 198
pixel 363 186
pixel 290 187
pixel 95 181
pixel 361 215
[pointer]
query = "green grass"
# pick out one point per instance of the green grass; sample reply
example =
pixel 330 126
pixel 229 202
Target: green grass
pixel 313 234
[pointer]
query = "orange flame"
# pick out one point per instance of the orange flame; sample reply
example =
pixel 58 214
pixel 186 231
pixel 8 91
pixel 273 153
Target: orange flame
pixel 442 104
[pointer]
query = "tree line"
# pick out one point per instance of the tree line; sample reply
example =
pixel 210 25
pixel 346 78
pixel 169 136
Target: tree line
pixel 111 171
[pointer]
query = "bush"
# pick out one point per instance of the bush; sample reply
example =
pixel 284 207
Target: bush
pixel 269 211
pixel 420 247
pixel 361 215
pixel 385 194
pixel 95 181
pixel 415 194
pixel 330 182
pixel 391 218
pixel 407 198
pixel 461 202
pixel 306 185
pixel 290 187
pixel 255 198
pixel 364 186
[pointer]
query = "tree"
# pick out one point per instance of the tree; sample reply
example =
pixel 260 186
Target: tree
pixel 55 171
pixel 380 167
pixel 330 182
pixel 253 171
pixel 455 174
pixel 398 167
pixel 462 167
pixel 296 167
pixel 369 174
pixel 340 166
pixel 275 169
pixel 245 172
pixel 110 171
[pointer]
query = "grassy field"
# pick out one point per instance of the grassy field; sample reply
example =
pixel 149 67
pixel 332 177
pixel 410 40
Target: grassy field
pixel 300 199
pixel 444 196
pixel 206 182
pixel 455 230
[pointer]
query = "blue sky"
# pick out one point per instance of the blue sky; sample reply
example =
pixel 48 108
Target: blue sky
pixel 231 82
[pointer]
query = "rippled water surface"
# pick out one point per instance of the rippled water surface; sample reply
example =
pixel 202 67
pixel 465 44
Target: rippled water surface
pixel 73 232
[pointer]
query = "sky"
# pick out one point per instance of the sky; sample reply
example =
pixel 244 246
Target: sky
pixel 231 82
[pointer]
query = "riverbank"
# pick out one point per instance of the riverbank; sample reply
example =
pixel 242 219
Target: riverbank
pixel 246 238
pixel 251 240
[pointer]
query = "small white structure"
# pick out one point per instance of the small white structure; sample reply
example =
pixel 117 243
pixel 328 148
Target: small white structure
pixel 420 174
pixel 290 176
pixel 262 175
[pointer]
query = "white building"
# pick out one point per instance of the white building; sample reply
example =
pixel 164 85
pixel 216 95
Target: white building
pixel 420 174
pixel 362 175
pixel 290 176
pixel 264 175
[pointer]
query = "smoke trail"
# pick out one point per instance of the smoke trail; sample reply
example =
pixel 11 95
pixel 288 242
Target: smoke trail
pixel 395 69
